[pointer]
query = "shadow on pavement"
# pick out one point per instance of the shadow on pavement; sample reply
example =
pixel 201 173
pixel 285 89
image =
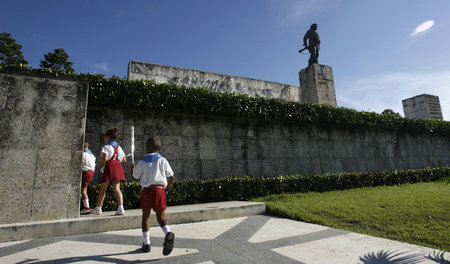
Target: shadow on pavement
pixel 107 258
pixel 393 256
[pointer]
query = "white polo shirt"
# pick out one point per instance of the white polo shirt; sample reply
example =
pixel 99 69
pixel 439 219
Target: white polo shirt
pixel 153 169
pixel 108 149
pixel 88 163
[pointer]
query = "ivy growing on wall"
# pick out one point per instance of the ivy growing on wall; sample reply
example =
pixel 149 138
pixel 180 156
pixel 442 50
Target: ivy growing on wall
pixel 171 98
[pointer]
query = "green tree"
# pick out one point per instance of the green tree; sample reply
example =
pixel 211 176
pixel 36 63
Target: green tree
pixel 10 51
pixel 58 60
pixel 391 113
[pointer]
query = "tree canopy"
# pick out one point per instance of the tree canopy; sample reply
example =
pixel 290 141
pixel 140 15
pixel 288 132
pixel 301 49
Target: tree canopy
pixel 10 51
pixel 391 113
pixel 58 60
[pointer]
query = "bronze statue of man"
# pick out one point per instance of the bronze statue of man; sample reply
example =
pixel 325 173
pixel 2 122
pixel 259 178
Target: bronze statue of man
pixel 314 44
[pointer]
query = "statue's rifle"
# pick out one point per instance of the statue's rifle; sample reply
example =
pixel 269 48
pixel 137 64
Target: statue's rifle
pixel 300 51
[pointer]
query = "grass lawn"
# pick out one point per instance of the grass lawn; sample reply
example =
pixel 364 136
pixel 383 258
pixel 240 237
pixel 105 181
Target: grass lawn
pixel 414 213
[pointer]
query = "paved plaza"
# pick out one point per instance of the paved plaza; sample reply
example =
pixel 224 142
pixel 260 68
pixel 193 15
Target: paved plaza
pixel 252 239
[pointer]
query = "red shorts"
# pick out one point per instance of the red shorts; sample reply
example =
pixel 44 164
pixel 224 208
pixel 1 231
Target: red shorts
pixel 113 172
pixel 153 198
pixel 87 177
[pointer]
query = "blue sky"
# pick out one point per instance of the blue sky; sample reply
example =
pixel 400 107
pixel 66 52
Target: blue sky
pixel 377 57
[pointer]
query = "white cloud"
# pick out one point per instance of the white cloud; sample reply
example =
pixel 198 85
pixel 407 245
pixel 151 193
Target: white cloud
pixel 103 66
pixel 422 28
pixel 377 93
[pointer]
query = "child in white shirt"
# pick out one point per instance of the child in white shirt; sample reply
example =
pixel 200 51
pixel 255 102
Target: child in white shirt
pixel 154 173
pixel 112 159
pixel 88 169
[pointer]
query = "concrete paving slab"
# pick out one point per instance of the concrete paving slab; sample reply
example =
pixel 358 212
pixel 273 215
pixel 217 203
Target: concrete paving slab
pixel 352 247
pixel 237 240
pixel 289 229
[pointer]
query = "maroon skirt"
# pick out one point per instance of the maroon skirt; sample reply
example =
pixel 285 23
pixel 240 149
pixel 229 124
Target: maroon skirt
pixel 113 172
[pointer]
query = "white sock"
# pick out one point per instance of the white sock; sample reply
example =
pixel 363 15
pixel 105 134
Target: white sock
pixel 120 208
pixel 146 236
pixel 98 208
pixel 86 203
pixel 166 229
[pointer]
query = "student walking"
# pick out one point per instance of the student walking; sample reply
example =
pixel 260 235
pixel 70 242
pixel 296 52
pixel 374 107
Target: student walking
pixel 112 159
pixel 88 169
pixel 154 173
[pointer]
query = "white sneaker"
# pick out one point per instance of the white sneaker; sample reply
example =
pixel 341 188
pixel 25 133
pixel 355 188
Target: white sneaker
pixel 85 211
pixel 120 212
pixel 97 210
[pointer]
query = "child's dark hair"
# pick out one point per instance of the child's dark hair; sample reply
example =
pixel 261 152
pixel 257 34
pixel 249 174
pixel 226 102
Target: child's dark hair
pixel 153 144
pixel 112 133
pixel 86 144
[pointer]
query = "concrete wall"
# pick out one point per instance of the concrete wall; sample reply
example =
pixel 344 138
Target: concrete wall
pixel 423 106
pixel 41 141
pixel 202 147
pixel 212 81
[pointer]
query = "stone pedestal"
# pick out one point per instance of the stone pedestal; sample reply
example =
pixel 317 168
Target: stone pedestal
pixel 317 85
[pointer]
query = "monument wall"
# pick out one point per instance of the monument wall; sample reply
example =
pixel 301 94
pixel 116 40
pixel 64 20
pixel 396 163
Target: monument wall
pixel 41 141
pixel 203 147
pixel 212 81
pixel 423 106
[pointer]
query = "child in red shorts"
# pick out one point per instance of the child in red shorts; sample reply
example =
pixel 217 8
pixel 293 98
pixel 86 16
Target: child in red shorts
pixel 112 159
pixel 154 174
pixel 88 168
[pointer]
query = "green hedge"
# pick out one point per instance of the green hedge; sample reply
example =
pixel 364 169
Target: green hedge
pixel 149 96
pixel 245 188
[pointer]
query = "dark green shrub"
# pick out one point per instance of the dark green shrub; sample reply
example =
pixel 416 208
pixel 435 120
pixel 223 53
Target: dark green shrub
pixel 248 187
pixel 131 192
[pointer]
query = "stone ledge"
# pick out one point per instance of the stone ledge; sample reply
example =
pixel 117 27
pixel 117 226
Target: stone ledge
pixel 109 222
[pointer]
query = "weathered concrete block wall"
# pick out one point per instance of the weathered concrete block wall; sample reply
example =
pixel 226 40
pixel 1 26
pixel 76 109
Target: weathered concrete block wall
pixel 317 85
pixel 423 106
pixel 202 147
pixel 41 142
pixel 212 81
